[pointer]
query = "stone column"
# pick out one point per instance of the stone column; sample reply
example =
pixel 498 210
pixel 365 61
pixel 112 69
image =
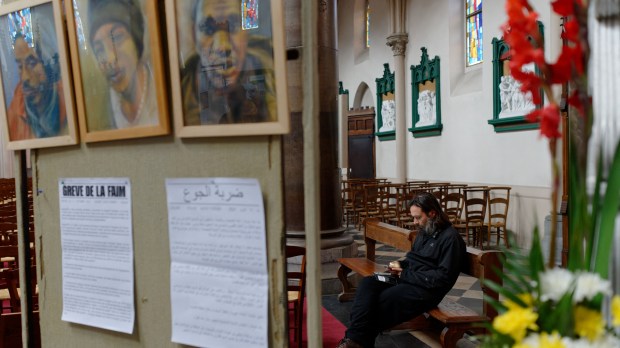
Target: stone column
pixel 398 42
pixel 331 215
pixel 334 242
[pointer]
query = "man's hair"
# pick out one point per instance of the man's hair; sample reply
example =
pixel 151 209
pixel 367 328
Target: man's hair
pixel 124 12
pixel 427 202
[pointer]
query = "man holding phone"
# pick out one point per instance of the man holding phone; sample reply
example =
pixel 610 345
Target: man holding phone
pixel 428 272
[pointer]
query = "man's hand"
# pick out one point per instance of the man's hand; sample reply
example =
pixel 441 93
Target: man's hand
pixel 394 268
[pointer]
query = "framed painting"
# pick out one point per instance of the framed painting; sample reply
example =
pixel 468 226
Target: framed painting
pixel 510 104
pixel 426 97
pixel 227 67
pixel 386 109
pixel 118 68
pixel 36 92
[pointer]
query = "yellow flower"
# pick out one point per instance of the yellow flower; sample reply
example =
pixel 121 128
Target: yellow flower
pixel 615 310
pixel 515 322
pixel 589 323
pixel 525 297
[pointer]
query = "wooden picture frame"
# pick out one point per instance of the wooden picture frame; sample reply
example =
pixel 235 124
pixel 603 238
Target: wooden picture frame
pixel 505 89
pixel 219 91
pixel 426 97
pixel 386 108
pixel 36 91
pixel 118 68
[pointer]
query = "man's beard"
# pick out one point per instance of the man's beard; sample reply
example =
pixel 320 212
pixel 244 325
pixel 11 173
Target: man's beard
pixel 430 227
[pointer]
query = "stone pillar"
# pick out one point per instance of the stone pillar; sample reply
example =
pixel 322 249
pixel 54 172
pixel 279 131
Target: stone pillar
pixel 334 242
pixel 343 102
pixel 398 42
pixel 331 214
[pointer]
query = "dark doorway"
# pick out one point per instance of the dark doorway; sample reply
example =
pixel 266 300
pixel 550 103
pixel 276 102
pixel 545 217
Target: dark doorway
pixel 361 124
pixel 361 161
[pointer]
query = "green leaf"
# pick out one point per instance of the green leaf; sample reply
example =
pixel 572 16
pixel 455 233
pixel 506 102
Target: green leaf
pixel 577 211
pixel 506 293
pixel 596 205
pixel 537 262
pixel 609 211
pixel 557 318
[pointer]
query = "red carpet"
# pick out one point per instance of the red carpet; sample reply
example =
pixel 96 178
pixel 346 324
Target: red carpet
pixel 333 330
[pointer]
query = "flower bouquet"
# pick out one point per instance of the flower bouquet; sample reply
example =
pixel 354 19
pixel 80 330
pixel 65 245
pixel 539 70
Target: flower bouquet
pixel 545 306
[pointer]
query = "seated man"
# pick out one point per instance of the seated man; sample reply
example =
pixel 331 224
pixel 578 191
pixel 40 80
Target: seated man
pixel 426 275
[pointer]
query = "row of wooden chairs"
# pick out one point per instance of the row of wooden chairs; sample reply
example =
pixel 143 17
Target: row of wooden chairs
pixel 10 318
pixel 485 213
pixel 477 211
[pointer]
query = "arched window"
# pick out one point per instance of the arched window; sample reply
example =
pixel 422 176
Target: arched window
pixel 473 30
pixel 367 26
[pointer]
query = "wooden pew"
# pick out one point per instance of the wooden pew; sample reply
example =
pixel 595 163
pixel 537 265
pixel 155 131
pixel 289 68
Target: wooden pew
pixel 452 318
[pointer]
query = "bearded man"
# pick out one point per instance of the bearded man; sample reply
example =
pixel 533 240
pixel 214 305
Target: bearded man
pixel 425 276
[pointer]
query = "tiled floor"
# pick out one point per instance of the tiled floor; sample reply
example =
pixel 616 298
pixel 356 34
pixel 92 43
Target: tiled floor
pixel 466 291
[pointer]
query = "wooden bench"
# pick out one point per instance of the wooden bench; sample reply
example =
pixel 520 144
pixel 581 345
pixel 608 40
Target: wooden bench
pixel 452 318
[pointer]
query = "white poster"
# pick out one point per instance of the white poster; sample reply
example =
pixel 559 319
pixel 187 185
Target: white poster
pixel 218 270
pixel 97 252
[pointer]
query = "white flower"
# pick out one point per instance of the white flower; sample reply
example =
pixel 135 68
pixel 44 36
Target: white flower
pixel 606 341
pixel 590 285
pixel 532 340
pixel 554 283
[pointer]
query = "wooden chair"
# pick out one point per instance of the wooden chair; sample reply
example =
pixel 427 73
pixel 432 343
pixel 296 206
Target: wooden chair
pixel 453 204
pixel 10 288
pixel 475 208
pixel 499 200
pixel 388 201
pixel 296 288
pixel 370 204
pixel 8 260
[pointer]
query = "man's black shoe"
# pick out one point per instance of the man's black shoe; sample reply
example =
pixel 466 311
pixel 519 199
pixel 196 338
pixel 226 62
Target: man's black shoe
pixel 348 343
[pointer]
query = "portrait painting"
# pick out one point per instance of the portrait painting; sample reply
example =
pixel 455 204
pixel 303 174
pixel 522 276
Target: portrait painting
pixel 118 68
pixel 227 67
pixel 36 89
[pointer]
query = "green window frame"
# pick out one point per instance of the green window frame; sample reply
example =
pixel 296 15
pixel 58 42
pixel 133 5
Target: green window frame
pixel 509 123
pixel 385 92
pixel 425 82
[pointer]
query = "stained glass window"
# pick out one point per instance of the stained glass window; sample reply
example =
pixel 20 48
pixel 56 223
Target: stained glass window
pixel 367 24
pixel 20 23
pixel 249 14
pixel 473 29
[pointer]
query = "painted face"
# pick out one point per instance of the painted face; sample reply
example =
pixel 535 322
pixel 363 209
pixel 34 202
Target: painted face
pixel 117 55
pixel 31 72
pixel 221 43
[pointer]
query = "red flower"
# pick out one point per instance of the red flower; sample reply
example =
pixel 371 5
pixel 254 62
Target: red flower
pixel 549 118
pixel 571 31
pixel 563 7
